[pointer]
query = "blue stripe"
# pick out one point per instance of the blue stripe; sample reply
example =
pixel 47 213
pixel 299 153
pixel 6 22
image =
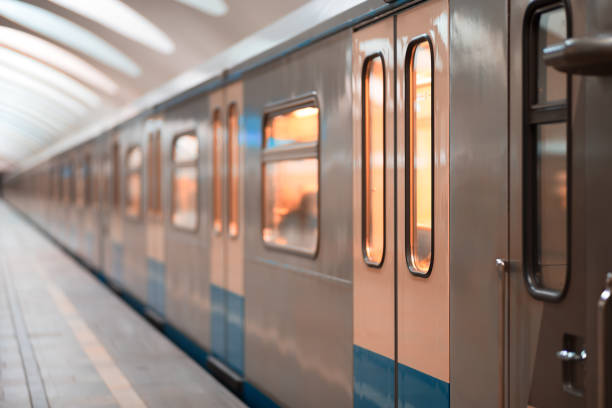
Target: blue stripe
pixel 117 262
pixel 156 286
pixel 255 398
pixel 374 379
pixel 217 322
pixel 235 332
pixel 417 389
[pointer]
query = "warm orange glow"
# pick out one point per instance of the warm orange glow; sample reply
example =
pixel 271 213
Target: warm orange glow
pixel 420 149
pixel 154 172
pixel 217 172
pixel 291 188
pixel 185 182
pixel 298 126
pixel 233 169
pixel 133 186
pixel 374 162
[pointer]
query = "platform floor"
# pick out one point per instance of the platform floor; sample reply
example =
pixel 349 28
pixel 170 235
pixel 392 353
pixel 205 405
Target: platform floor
pixel 66 340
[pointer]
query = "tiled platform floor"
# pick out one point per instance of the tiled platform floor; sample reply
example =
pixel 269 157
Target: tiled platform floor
pixel 67 341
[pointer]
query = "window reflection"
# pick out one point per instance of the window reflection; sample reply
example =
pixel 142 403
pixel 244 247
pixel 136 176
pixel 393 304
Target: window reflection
pixel 233 169
pixel 552 205
pixel 291 179
pixel 297 126
pixel 185 182
pixel 217 172
pixel 290 203
pixel 420 192
pixel 133 186
pixel 374 161
pixel 552 84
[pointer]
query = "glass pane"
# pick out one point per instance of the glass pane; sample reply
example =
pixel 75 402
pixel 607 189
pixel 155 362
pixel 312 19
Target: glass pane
pixel 186 149
pixel 234 169
pixel 157 160
pixel 420 167
pixel 116 175
pixel 80 186
pixel 150 173
pixel 552 205
pixel 132 199
pixel 297 126
pixel 552 29
pixel 217 172
pixel 88 180
pixel 291 191
pixel 185 198
pixel 374 161
pixel 134 158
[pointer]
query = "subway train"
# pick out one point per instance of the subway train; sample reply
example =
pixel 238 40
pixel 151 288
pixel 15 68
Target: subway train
pixel 406 206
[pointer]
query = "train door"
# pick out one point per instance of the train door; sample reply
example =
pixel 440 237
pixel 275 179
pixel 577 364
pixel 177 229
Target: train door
pixel 401 247
pixel 155 248
pixel 560 167
pixel 227 280
pixel 113 237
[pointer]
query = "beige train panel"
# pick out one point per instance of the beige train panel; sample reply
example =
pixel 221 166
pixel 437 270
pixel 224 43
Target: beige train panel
pixel 373 290
pixel 235 245
pixel 423 302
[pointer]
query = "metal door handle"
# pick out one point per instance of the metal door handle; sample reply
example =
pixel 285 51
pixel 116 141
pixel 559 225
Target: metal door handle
pixel 583 56
pixel 569 356
pixel 602 334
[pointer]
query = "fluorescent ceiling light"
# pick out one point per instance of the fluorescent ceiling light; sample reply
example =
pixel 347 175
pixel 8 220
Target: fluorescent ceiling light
pixel 66 32
pixel 27 116
pixel 38 87
pixel 15 95
pixel 33 68
pixel 117 16
pixel 216 8
pixel 30 128
pixel 58 57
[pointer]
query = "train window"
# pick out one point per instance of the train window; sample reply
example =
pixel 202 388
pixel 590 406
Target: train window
pixel 154 173
pixel 80 186
pixel 133 185
pixel 217 172
pixel 373 143
pixel 546 161
pixel 233 151
pixel 419 192
pixel 185 153
pixel 88 180
pixel 291 177
pixel 116 176
pixel 551 29
pixel 71 184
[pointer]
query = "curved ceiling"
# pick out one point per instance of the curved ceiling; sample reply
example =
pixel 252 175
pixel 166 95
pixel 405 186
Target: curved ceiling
pixel 66 63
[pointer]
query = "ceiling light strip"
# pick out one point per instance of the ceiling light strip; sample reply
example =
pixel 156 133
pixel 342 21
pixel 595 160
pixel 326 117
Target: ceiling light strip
pixel 118 17
pixel 69 34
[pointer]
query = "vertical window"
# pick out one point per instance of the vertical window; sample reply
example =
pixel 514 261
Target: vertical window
pixel 233 153
pixel 71 187
pixel 291 177
pixel 373 142
pixel 419 153
pixel 154 173
pixel 133 184
pixel 88 178
pixel 185 153
pixel 217 172
pixel 116 176
pixel 80 185
pixel 546 162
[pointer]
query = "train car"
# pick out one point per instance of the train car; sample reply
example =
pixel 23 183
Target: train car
pixel 405 206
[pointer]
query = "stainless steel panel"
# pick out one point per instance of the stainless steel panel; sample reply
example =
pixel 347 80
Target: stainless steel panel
pixel 187 252
pixel 298 310
pixel 478 200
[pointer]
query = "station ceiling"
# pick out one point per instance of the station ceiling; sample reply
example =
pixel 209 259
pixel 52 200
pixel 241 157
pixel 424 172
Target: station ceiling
pixel 67 63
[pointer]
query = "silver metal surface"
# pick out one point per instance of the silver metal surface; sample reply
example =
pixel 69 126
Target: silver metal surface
pixel 603 369
pixel 501 264
pixel 300 353
pixel 478 201
pixel 571 356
